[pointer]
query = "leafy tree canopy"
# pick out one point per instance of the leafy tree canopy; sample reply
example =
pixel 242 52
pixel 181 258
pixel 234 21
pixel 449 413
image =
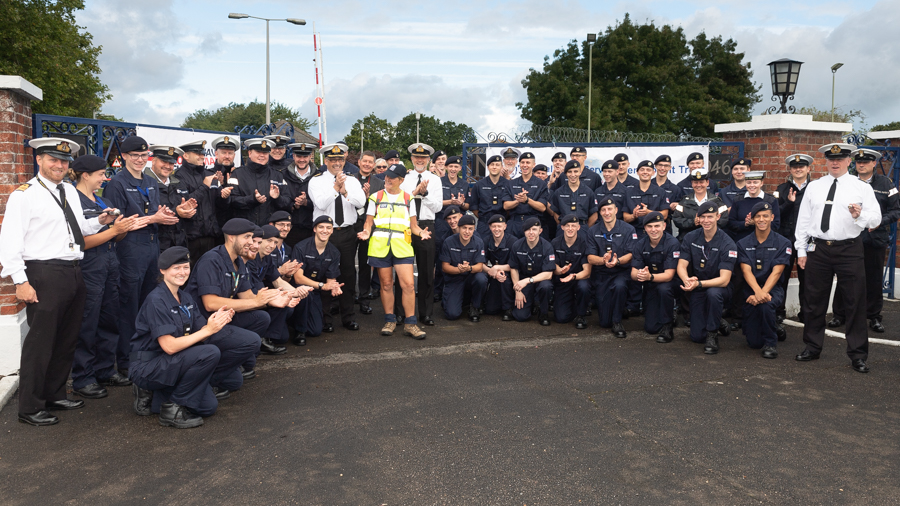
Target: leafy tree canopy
pixel 645 78
pixel 225 119
pixel 894 125
pixel 41 42
pixel 381 136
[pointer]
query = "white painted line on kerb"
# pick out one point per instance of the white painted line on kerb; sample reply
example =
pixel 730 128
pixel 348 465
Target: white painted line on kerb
pixel 832 333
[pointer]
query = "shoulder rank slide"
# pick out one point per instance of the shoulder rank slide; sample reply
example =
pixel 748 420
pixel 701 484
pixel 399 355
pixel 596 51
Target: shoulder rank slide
pixel 23 187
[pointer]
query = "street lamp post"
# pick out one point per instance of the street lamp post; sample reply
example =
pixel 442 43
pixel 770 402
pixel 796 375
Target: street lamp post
pixel 418 116
pixel 293 21
pixel 834 69
pixel 591 38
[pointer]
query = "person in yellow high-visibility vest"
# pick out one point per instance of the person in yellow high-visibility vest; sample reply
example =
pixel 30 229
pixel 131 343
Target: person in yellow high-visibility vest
pixel 390 223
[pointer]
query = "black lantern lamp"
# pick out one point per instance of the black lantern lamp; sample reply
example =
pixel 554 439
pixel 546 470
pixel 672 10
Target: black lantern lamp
pixel 784 73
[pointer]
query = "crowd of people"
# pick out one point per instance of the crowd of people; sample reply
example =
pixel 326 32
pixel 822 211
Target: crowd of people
pixel 174 281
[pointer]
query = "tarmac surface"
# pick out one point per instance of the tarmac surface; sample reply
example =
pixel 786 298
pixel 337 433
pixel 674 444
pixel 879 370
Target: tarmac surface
pixel 493 413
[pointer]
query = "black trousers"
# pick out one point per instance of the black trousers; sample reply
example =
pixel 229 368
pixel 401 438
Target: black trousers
pixel 54 322
pixel 344 239
pixel 197 247
pixel 785 281
pixel 846 261
pixel 425 255
pixel 365 270
pixel 873 257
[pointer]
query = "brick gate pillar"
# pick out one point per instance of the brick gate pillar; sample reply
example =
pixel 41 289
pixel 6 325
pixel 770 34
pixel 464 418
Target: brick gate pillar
pixel 16 167
pixel 769 139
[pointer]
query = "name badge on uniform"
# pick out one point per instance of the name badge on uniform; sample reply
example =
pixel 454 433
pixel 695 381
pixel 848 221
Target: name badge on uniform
pixel 495 200
pixel 313 274
pixel 702 263
pixel 759 264
pixel 187 329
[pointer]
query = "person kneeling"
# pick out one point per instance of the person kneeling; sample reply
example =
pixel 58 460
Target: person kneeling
pixel 462 262
pixel 572 277
pixel 182 364
pixel 532 261
pixel 320 263
pixel 653 265
pixel 763 256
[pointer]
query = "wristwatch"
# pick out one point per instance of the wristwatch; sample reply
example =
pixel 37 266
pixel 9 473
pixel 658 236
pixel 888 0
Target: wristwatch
pixel 531 280
pixel 321 284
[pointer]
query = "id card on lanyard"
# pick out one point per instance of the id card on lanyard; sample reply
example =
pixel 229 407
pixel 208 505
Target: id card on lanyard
pixel 186 327
pixel 145 193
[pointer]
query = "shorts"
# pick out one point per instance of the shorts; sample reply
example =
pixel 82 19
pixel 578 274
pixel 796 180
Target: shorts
pixel 390 260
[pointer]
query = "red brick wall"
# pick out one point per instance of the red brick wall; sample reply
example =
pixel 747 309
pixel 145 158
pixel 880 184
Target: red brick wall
pixel 16 167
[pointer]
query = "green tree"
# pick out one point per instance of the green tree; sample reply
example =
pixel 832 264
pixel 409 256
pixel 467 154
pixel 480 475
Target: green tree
pixel 840 116
pixel 379 135
pixel 225 119
pixel 895 125
pixel 41 42
pixel 645 79
pixel 445 136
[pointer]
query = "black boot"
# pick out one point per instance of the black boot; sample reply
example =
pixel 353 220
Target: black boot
pixel 142 400
pixel 173 415
pixel 711 347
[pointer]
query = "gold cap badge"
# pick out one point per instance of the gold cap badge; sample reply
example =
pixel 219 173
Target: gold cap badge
pixel 835 149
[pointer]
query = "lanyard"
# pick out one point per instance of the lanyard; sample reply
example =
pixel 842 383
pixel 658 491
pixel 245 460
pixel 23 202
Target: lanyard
pixel 703 251
pixel 186 311
pixel 281 253
pixel 62 205
pixel 100 201
pixel 146 194
pixel 236 278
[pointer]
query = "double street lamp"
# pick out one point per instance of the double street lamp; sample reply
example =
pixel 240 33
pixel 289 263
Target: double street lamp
pixel 293 21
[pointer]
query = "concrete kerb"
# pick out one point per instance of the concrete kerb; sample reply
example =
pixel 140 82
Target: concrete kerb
pixel 8 386
pixel 832 333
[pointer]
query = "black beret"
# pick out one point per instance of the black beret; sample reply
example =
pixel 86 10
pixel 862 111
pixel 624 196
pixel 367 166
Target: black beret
pixel 133 143
pixel 653 217
pixel 707 208
pixel 605 202
pixel 578 149
pixel 558 156
pixel 528 155
pixel 621 157
pixel 279 216
pixel 88 163
pixel 760 206
pixel 609 165
pixel 495 158
pixel 173 256
pixel 663 159
pixel 467 220
pixel 269 231
pixel 694 156
pixel 323 219
pixel 530 223
pixel 538 167
pixel 497 218
pixel 572 164
pixel 743 161
pixel 452 209
pixel 391 154
pixel 238 226
pixel 454 160
pixel 645 163
pixel 437 154
pixel 569 218
pixel 258 232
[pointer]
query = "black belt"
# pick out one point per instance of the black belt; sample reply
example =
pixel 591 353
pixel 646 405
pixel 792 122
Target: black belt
pixel 843 242
pixel 143 356
pixel 64 263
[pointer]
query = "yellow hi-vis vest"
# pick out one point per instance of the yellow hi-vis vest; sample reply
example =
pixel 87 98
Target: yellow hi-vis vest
pixel 391 223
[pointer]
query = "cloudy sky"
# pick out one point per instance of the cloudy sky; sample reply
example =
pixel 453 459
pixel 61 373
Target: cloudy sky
pixel 458 61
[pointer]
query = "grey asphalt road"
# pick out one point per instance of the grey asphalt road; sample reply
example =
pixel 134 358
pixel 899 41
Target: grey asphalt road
pixel 492 413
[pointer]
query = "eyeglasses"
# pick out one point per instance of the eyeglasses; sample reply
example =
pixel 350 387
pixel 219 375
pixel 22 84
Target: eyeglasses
pixel 381 166
pixel 141 156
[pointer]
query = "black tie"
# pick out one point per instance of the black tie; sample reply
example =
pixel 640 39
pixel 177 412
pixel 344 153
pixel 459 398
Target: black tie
pixel 419 200
pixel 70 217
pixel 826 213
pixel 338 211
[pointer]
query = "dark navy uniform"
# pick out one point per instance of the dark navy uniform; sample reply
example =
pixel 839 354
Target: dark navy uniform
pixel 729 193
pixel 98 339
pixel 188 376
pixel 874 246
pixel 450 190
pixel 137 252
pixel 309 316
pixel 214 274
pixel 654 198
pixel 610 285
pixel 301 216
pixel 281 255
pixel 673 192
pixel 573 298
pixel 588 178
pixel 223 210
pixel 686 210
pixel 705 260
pixel 580 202
pixel 457 285
pixel 617 194
pixel 488 199
pixel 263 273
pixel 658 297
pixel 537 190
pixel 500 296
pixel 530 262
pixel 170 195
pixel 631 181
pixel 760 325
pixel 365 280
pixel 788 211
pixel 254 176
pixel 741 207
pixel 202 230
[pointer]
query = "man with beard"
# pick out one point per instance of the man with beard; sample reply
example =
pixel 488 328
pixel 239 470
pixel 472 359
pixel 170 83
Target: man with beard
pixel 202 229
pixel 297 177
pixel 171 194
pixel 258 190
